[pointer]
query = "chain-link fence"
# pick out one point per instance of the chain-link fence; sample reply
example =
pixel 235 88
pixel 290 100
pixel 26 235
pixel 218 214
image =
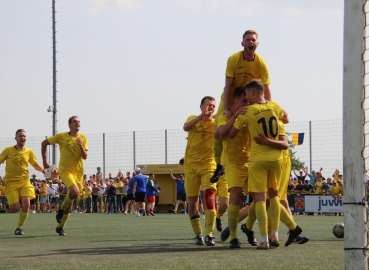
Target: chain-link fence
pixel 322 147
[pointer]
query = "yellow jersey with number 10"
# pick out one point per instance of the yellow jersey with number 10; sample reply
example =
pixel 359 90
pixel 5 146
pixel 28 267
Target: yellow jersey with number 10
pixel 262 119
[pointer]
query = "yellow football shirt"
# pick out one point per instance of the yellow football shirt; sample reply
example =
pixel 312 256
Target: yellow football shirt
pixel 199 150
pixel 70 153
pixel 237 150
pixel 335 189
pixel 318 188
pixel 262 119
pixel 244 72
pixel 119 186
pixel 17 163
pixel 285 153
pixel 2 190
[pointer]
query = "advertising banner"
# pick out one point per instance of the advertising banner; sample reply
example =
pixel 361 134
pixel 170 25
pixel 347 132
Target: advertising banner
pixel 311 203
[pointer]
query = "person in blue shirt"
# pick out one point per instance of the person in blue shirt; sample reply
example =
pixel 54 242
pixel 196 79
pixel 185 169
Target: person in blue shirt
pixel 130 196
pixel 112 196
pixel 325 187
pixel 181 192
pixel 139 191
pixel 150 195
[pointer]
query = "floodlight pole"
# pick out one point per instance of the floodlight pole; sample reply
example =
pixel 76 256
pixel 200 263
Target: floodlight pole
pixel 353 137
pixel 54 111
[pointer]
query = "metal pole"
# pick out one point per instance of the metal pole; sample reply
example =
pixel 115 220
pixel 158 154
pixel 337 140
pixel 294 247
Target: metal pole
pixel 134 150
pixel 353 136
pixel 104 155
pixel 310 146
pixel 166 147
pixel 54 82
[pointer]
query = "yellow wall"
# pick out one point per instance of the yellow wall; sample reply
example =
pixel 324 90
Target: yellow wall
pixel 168 192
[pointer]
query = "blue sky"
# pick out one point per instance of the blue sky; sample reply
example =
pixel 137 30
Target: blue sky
pixel 127 65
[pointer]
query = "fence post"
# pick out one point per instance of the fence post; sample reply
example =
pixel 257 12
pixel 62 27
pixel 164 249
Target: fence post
pixel 166 147
pixel 310 146
pixel 48 157
pixel 134 149
pixel 104 155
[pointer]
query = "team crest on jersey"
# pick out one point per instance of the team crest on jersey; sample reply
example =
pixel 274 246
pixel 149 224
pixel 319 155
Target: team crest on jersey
pixel 300 203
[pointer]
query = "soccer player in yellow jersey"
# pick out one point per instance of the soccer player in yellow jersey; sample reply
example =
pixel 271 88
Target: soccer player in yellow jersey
pixel 199 165
pixel 286 215
pixel 235 155
pixel 265 160
pixel 73 150
pixel 16 179
pixel 242 67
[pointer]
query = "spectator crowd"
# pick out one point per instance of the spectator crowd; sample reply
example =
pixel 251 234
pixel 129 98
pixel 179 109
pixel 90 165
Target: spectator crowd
pixel 98 195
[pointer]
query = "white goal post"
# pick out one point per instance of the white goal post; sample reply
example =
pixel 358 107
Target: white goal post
pixel 355 207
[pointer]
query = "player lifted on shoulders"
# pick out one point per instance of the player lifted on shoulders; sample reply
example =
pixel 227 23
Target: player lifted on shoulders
pixel 242 67
pixel 16 179
pixel 265 160
pixel 73 150
pixel 199 165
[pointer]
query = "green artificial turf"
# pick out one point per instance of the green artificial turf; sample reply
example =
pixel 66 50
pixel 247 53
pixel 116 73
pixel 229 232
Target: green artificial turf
pixel 165 241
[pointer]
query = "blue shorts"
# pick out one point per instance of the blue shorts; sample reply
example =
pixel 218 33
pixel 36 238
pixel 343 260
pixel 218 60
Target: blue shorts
pixel 44 199
pixel 181 196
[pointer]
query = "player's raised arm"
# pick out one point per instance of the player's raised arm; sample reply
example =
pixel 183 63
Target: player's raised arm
pixel 267 92
pixel 224 130
pixel 44 145
pixel 226 94
pixel 171 175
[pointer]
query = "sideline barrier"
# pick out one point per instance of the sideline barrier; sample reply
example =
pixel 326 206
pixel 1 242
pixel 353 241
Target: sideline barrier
pixel 315 203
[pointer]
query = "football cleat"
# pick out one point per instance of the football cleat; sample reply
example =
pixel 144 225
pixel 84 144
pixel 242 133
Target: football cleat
pixel 60 231
pixel 209 241
pixel 219 224
pixel 263 245
pixel 18 231
pixel 219 171
pixel 300 239
pixel 234 243
pixel 250 235
pixel 199 240
pixel 292 235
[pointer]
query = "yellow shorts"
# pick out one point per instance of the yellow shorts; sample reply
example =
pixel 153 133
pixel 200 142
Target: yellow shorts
pixel 264 175
pixel 283 183
pixel 197 178
pixel 222 187
pixel 69 179
pixel 237 175
pixel 17 189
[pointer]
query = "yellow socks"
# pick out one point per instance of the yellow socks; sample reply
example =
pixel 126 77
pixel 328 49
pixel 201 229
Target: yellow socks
pixel 251 217
pixel 233 216
pixel 22 218
pixel 274 213
pixel 218 148
pixel 209 221
pixel 261 216
pixel 67 201
pixel 287 219
pixel 64 220
pixel 196 225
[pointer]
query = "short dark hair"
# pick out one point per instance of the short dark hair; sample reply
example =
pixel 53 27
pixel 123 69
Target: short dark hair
pixel 239 91
pixel 205 98
pixel 19 130
pixel 253 32
pixel 256 85
pixel 71 118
